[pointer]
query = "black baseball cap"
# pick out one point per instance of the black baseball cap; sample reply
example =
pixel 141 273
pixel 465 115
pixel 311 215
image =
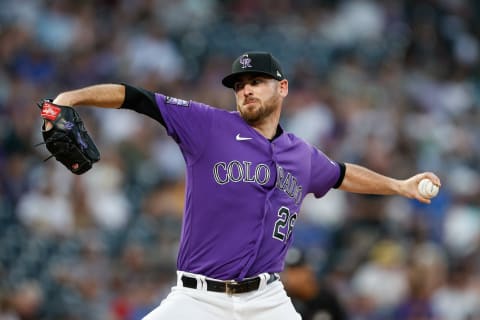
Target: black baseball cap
pixel 254 62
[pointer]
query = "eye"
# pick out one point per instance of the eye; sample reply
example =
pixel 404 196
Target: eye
pixel 256 81
pixel 238 86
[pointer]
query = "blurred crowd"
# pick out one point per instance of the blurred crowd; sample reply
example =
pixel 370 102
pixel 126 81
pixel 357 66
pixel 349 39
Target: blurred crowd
pixel 392 85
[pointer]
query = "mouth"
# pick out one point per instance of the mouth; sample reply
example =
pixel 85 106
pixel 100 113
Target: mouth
pixel 249 101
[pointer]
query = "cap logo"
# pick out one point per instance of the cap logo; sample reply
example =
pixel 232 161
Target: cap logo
pixel 245 61
pixel 279 74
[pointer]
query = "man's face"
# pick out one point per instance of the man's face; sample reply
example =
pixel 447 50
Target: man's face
pixel 258 96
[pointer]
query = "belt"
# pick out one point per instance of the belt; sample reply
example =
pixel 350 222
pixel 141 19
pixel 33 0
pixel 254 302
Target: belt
pixel 230 286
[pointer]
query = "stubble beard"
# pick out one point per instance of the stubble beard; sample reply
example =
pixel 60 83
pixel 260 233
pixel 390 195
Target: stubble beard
pixel 262 110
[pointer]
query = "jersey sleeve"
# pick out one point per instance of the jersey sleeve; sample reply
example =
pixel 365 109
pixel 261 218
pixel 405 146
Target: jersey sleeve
pixel 325 173
pixel 189 123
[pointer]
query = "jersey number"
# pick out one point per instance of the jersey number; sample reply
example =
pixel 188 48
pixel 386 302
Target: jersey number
pixel 284 224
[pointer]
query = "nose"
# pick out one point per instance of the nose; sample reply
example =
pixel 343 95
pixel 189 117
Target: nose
pixel 247 89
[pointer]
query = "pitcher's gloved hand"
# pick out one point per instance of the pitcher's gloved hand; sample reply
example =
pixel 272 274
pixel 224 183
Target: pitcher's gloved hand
pixel 67 140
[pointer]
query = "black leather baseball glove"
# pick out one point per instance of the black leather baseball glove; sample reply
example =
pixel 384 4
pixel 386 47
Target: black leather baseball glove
pixel 68 140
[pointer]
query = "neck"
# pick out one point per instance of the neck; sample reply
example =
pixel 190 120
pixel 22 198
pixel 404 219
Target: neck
pixel 268 127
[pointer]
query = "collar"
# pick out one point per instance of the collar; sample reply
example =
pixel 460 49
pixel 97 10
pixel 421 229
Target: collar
pixel 278 133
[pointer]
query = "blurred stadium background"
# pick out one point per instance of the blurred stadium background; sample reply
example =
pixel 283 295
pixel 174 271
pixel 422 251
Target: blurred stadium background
pixel 393 85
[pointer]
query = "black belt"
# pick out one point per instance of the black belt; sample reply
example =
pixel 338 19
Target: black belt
pixel 230 286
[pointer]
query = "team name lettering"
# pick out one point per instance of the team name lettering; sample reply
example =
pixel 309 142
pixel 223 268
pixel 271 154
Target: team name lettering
pixel 236 171
pixel 245 171
pixel 289 184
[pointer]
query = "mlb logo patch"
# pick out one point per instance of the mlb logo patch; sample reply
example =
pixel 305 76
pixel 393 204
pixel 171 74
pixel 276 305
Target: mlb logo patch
pixel 176 101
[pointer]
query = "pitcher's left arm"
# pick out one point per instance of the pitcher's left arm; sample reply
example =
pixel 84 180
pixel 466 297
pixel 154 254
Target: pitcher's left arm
pixel 359 179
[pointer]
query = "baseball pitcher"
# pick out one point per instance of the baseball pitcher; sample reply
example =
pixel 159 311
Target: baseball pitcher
pixel 245 182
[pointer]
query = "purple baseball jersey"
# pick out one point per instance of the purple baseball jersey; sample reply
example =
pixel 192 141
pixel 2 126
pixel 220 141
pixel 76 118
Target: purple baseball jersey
pixel 243 192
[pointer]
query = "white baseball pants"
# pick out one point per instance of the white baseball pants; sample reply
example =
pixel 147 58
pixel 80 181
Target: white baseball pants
pixel 267 303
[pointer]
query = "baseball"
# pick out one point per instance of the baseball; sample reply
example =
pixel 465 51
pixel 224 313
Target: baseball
pixel 427 188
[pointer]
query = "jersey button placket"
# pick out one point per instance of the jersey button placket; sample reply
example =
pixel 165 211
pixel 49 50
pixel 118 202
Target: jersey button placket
pixel 272 152
pixel 273 157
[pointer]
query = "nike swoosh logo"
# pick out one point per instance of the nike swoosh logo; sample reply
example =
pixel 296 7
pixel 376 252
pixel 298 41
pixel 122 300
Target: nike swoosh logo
pixel 240 138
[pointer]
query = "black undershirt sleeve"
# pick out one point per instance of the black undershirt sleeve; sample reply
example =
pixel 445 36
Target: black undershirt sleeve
pixel 342 175
pixel 141 101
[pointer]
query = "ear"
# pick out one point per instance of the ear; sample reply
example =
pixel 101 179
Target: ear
pixel 283 87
